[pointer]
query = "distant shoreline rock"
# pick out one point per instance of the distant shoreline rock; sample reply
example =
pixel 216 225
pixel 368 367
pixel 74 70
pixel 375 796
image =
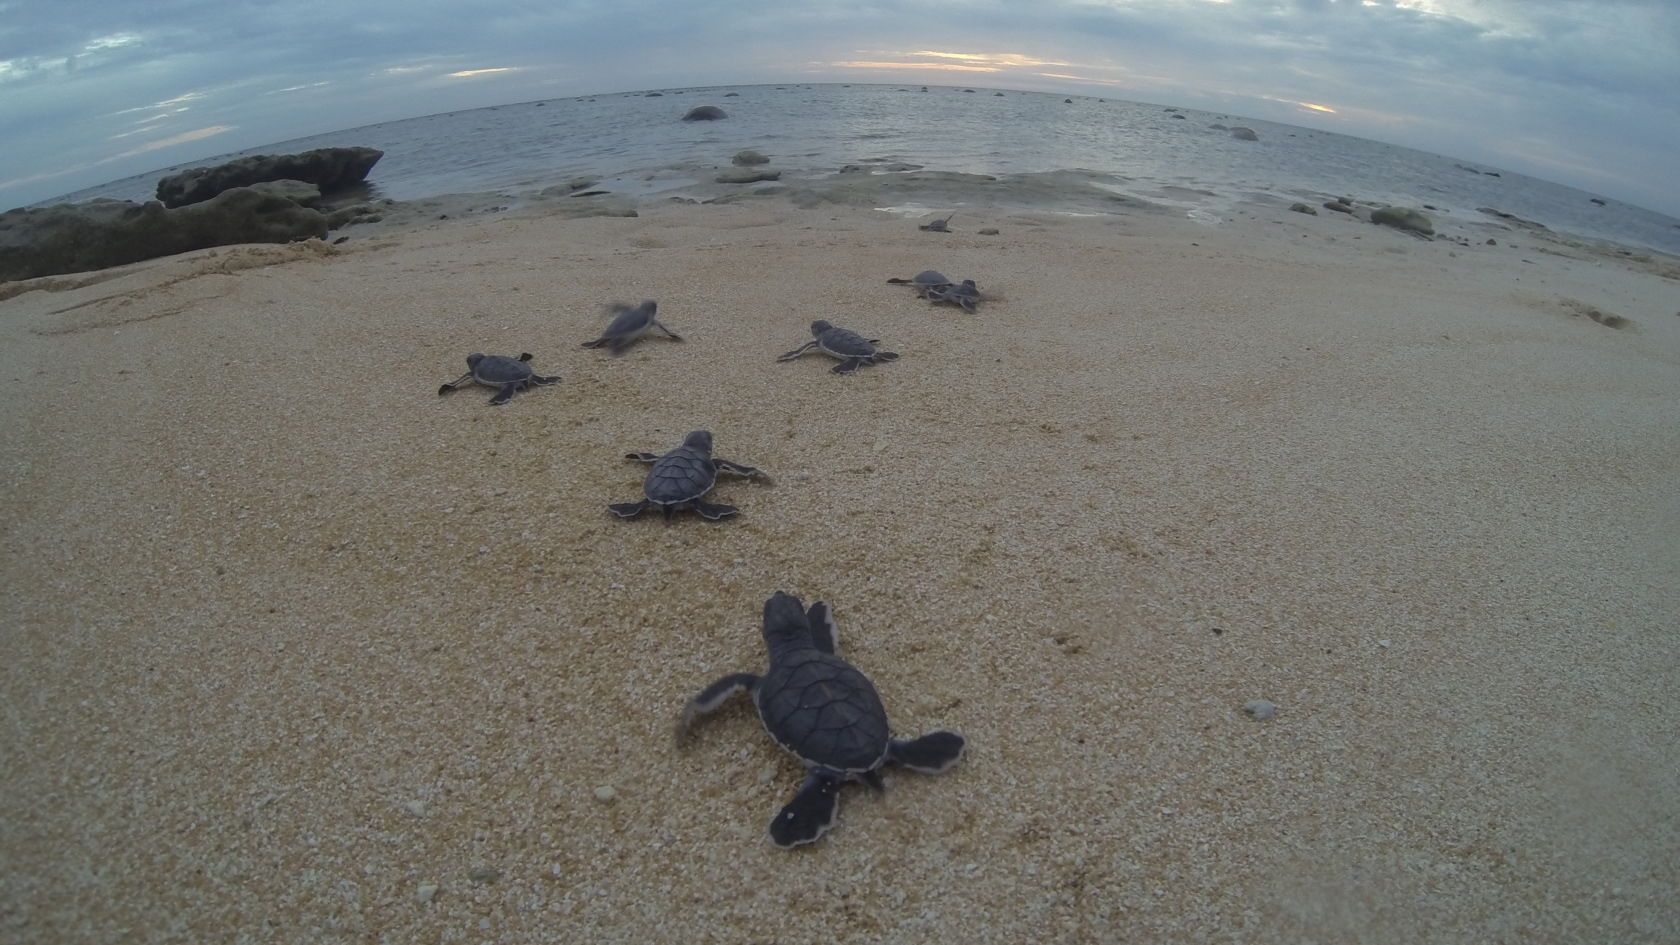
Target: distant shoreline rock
pixel 705 113
pixel 330 169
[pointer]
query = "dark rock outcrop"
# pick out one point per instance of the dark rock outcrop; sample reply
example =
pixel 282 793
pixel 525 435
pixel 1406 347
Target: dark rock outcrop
pixel 330 169
pixel 749 156
pixel 1404 218
pixel 1303 208
pixel 705 113
pixel 1245 134
pixel 83 237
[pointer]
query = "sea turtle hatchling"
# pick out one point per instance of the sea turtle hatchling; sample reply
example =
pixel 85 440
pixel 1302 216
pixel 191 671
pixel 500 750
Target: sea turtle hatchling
pixel 629 323
pixel 964 293
pixel 679 478
pixel 819 707
pixel 508 375
pixel 851 348
pixel 924 282
pixel 938 226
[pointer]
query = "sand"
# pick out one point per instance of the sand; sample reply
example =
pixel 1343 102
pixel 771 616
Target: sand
pixel 295 650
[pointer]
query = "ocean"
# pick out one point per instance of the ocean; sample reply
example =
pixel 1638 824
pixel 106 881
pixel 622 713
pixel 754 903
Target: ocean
pixel 859 144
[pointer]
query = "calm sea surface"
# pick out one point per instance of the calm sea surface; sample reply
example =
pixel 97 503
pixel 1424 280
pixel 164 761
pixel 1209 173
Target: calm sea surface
pixel 1045 154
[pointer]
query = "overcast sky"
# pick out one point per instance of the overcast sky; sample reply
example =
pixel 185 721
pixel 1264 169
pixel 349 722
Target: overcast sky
pixel 1584 92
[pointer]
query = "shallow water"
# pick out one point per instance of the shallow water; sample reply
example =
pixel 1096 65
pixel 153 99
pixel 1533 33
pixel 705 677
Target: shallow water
pixel 1047 154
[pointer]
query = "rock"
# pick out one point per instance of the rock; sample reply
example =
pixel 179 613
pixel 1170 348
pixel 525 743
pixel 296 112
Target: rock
pixel 654 95
pixel 426 892
pixel 1403 218
pixel 302 193
pixel 747 177
pixel 330 169
pixel 606 794
pixel 1260 709
pixel 733 95
pixel 1216 126
pixel 1597 200
pixel 1067 101
pixel 997 94
pixel 749 156
pixel 1303 208
pixel 988 231
pixel 1244 134
pixel 705 113
pixel 104 233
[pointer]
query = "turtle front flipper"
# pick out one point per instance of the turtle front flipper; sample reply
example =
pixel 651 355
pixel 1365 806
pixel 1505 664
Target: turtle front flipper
pixel 710 698
pixel 526 356
pixel 506 393
pixel 797 351
pixel 456 383
pixel 713 510
pixel 809 815
pixel 644 457
pixel 847 365
pixel 598 342
pixel 933 753
pixel 825 633
pixel 668 332
pixel 629 509
pixel 737 469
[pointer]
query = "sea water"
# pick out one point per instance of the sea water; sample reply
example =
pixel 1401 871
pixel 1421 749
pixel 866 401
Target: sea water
pixel 898 147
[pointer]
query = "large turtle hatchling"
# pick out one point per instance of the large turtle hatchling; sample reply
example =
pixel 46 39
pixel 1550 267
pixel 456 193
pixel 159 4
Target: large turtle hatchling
pixel 820 708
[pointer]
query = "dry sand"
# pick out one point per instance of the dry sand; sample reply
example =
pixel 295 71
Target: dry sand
pixel 295 650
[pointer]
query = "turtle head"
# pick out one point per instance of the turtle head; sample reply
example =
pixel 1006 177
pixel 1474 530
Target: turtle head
pixel 698 440
pixel 651 306
pixel 819 326
pixel 473 359
pixel 785 624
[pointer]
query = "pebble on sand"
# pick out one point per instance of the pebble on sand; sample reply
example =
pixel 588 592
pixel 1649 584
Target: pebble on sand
pixel 606 793
pixel 426 892
pixel 1260 709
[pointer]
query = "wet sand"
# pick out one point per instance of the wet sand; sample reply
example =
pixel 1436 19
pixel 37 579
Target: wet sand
pixel 294 649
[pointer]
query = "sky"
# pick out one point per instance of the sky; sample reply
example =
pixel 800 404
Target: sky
pixel 1582 92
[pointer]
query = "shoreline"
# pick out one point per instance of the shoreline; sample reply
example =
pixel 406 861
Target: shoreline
pixel 295 641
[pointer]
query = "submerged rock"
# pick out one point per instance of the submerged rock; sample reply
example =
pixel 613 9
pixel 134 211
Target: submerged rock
pixel 330 169
pixel 705 113
pixel 749 156
pixel 103 233
pixel 1244 134
pixel 747 177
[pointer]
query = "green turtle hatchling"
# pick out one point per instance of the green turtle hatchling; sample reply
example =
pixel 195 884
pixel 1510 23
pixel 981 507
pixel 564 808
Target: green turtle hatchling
pixel 826 713
pixel 507 375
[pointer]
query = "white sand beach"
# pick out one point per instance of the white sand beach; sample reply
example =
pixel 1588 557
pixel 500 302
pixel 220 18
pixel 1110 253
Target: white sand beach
pixel 295 650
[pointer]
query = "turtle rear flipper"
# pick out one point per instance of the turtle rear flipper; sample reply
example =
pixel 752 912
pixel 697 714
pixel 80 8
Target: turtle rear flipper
pixel 886 356
pixel 544 380
pixel 848 365
pixel 711 697
pixel 628 509
pixel 809 815
pixel 713 510
pixel 933 753
pixel 598 342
